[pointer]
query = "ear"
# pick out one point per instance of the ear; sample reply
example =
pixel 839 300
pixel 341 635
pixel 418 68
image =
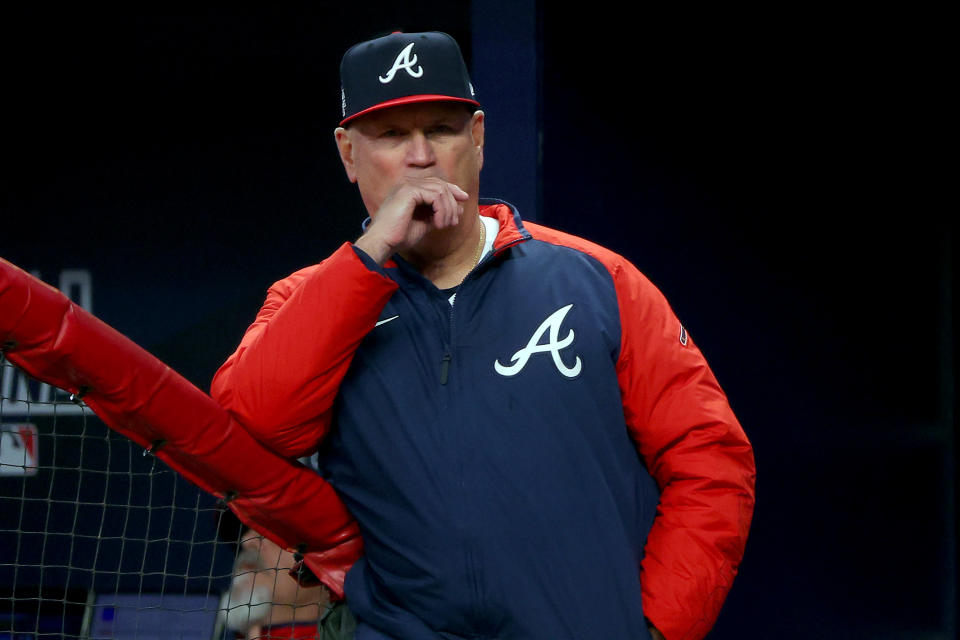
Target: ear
pixel 345 146
pixel 477 131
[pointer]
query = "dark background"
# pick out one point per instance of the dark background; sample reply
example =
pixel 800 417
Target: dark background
pixel 777 173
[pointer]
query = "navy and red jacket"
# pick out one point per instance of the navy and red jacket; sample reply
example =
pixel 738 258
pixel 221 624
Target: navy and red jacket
pixel 550 457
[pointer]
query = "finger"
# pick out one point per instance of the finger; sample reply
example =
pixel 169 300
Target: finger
pixel 434 194
pixel 456 209
pixel 450 207
pixel 459 193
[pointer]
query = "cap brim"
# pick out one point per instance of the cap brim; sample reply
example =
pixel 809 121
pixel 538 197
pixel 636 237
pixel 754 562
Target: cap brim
pixel 408 100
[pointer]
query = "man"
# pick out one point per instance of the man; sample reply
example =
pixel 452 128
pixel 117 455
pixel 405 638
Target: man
pixel 482 388
pixel 263 600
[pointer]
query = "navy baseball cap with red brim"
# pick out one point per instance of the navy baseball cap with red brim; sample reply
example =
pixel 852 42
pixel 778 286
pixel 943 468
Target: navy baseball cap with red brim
pixel 403 68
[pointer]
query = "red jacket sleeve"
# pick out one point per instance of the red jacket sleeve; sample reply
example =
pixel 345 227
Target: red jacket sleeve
pixel 696 450
pixel 693 445
pixel 281 382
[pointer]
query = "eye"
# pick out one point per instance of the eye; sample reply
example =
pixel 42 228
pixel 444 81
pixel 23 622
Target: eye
pixel 441 130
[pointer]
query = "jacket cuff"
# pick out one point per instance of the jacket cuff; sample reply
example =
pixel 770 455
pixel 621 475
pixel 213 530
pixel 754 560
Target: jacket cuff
pixel 329 567
pixel 368 262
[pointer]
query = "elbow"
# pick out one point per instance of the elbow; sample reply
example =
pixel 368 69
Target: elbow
pixel 284 432
pixel 272 424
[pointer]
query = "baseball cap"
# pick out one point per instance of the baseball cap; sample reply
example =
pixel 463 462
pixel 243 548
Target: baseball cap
pixel 402 68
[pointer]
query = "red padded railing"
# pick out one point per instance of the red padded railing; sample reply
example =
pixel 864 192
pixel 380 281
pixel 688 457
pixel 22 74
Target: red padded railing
pixel 135 394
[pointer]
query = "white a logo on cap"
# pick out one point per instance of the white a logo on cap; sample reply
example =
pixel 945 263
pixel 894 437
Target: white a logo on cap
pixel 404 62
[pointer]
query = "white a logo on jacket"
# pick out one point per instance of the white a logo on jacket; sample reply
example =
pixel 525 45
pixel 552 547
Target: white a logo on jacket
pixel 404 62
pixel 552 323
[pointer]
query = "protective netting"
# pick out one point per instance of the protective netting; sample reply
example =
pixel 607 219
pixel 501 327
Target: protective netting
pixel 99 539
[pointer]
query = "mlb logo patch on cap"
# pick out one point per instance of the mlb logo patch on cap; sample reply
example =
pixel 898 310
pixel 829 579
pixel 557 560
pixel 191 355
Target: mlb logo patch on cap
pixel 402 68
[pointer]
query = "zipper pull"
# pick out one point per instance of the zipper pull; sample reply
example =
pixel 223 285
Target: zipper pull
pixel 444 368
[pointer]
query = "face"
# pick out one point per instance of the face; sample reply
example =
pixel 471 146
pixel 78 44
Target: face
pixel 427 139
pixel 272 566
pixel 262 589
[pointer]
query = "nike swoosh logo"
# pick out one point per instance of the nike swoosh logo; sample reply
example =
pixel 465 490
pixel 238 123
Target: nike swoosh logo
pixel 385 321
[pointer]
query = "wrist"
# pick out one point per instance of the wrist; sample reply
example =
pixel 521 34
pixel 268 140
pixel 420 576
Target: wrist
pixel 379 252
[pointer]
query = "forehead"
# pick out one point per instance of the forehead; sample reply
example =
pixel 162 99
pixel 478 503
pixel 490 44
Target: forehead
pixel 416 113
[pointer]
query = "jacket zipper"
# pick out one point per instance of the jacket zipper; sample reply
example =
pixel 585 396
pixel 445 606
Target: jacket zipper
pixel 472 568
pixel 445 367
pixel 447 355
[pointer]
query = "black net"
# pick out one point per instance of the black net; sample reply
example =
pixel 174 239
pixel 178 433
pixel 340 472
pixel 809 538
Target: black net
pixel 99 539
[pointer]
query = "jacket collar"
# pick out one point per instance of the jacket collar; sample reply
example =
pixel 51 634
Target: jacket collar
pixel 512 230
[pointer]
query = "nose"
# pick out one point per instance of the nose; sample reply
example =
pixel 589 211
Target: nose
pixel 420 152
